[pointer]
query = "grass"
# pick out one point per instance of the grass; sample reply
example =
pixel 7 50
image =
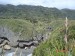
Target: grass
pixel 56 41
pixel 25 27
pixel 18 26
pixel 56 38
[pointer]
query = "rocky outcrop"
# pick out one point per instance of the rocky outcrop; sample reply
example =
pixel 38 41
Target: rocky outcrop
pixel 8 34
pixel 7 37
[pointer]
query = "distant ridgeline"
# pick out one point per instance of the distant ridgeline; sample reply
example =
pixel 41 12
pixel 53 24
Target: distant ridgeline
pixel 34 13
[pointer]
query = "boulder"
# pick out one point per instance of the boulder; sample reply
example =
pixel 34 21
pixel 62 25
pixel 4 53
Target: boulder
pixel 35 43
pixel 7 47
pixel 14 44
pixel 21 45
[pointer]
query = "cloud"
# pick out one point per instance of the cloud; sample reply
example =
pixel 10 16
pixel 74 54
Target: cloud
pixel 60 4
pixel 47 3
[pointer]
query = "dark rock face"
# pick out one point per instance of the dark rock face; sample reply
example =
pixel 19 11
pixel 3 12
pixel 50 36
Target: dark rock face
pixel 4 38
pixel 21 41
pixel 1 41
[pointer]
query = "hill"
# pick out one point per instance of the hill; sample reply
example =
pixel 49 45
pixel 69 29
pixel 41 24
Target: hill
pixel 34 13
pixel 21 28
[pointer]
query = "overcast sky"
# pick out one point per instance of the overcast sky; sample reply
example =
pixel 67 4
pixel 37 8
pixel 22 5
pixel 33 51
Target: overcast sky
pixel 46 3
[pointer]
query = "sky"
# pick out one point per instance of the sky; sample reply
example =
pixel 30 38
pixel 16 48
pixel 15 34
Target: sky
pixel 60 4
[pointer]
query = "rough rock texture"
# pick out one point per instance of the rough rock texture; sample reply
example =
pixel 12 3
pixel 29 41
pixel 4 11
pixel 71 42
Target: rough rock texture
pixel 5 32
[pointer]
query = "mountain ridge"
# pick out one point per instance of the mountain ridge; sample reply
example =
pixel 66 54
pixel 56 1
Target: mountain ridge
pixel 31 13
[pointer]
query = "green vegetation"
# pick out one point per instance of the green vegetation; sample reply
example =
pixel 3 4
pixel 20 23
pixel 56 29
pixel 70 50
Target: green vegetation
pixel 55 44
pixel 24 28
pixel 18 26
pixel 33 20
pixel 34 13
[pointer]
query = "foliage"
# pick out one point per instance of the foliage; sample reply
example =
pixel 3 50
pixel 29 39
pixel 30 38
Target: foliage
pixel 56 42
pixel 34 13
pixel 24 28
pixel 33 20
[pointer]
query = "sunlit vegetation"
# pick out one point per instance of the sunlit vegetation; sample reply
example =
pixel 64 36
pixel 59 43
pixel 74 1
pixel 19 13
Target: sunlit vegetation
pixel 33 20
pixel 55 45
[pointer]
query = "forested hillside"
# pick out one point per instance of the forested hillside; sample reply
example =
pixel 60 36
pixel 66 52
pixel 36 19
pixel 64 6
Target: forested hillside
pixel 34 13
